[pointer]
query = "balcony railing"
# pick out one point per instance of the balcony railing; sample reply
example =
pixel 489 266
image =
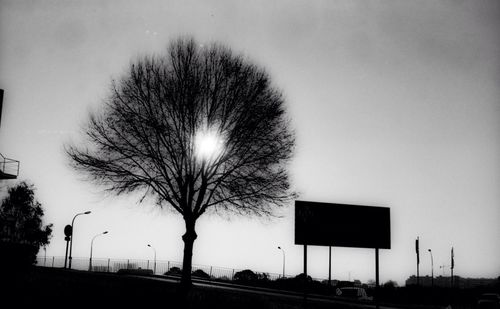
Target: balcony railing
pixel 9 168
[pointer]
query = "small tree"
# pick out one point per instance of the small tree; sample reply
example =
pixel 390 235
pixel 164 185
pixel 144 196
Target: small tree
pixel 22 232
pixel 199 129
pixel 391 284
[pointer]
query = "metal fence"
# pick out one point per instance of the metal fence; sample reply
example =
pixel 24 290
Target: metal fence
pixel 161 267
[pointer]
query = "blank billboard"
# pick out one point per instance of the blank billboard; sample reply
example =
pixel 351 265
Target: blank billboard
pixel 342 225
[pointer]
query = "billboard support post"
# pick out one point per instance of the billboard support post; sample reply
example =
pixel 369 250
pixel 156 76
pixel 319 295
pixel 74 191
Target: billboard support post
pixel 329 266
pixel 377 282
pixel 305 275
pixel 305 260
pixel 342 225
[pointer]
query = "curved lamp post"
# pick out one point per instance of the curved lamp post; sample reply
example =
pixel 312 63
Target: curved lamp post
pixel 154 267
pixel 73 234
pixel 283 260
pixel 91 245
pixel 432 268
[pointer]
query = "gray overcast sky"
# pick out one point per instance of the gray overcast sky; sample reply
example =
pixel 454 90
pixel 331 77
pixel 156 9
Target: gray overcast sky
pixel 395 103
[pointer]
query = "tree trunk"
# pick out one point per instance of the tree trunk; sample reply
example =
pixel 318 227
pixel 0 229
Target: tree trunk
pixel 189 237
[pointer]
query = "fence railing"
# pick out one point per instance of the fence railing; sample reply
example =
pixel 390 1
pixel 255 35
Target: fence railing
pixel 162 267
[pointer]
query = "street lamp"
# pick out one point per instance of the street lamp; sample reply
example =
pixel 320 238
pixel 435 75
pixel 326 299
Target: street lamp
pixel 432 268
pixel 73 234
pixel 91 245
pixel 283 260
pixel 154 267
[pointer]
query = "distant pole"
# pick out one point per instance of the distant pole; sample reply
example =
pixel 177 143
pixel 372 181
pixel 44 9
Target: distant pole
pixel 432 268
pixel 67 239
pixel 154 267
pixel 305 275
pixel 417 250
pixel 377 282
pixel 452 265
pixel 329 266
pixel 305 261
pixel 73 235
pixel 283 251
pixel 91 245
pixel 44 256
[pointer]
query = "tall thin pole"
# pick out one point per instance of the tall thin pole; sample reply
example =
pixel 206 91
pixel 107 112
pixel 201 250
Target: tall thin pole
pixel 91 245
pixel 283 251
pixel 154 267
pixel 329 266
pixel 305 276
pixel 305 261
pixel 73 235
pixel 432 268
pixel 377 281
pixel 417 250
pixel 452 265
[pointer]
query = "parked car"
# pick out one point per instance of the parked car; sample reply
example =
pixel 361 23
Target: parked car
pixel 353 293
pixel 489 301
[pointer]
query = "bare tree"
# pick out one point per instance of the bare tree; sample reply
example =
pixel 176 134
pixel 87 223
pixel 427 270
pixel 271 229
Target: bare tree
pixel 199 129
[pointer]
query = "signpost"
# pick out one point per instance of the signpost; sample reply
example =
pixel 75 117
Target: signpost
pixel 68 232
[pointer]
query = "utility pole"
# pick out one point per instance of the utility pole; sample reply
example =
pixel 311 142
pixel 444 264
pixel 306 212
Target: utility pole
pixel 432 268
pixel 452 266
pixel 418 260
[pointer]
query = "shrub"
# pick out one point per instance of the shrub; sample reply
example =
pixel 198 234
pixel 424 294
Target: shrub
pixel 175 271
pixel 245 275
pixel 200 274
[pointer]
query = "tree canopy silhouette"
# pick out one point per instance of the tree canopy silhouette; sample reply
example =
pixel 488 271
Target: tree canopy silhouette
pixel 22 232
pixel 200 129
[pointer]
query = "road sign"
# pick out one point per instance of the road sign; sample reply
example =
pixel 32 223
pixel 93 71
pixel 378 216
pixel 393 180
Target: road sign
pixel 68 230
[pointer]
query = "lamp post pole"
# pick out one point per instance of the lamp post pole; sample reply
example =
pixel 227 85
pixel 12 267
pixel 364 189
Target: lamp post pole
pixel 91 245
pixel 154 267
pixel 283 251
pixel 73 234
pixel 432 268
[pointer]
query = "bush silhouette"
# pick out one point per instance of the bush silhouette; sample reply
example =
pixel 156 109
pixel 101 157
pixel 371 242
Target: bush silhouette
pixel 176 271
pixel 245 275
pixel 200 274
